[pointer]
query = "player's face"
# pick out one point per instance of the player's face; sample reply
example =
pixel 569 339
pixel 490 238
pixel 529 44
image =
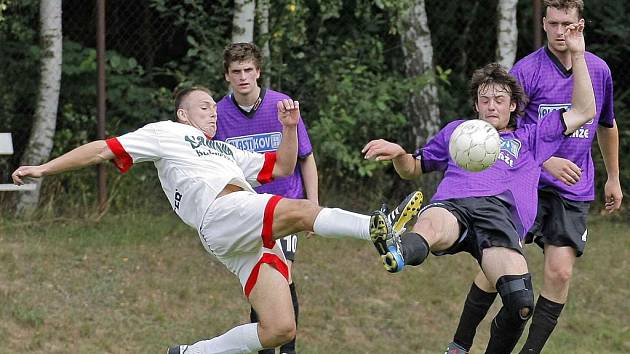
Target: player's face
pixel 200 111
pixel 555 24
pixel 242 77
pixel 494 105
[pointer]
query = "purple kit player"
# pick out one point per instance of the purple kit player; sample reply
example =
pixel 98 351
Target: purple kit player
pixel 488 213
pixel 567 185
pixel 248 121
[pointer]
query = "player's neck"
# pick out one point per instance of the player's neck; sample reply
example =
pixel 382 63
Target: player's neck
pixel 563 57
pixel 248 99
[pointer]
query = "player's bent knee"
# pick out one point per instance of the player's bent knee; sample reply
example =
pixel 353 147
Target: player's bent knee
pixel 560 275
pixel 517 295
pixel 280 334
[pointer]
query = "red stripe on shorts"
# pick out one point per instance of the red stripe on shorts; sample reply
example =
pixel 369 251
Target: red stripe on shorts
pixel 272 260
pixel 267 234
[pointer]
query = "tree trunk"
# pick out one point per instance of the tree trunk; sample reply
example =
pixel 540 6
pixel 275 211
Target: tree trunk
pixel 243 21
pixel 43 130
pixel 507 33
pixel 263 12
pixel 423 111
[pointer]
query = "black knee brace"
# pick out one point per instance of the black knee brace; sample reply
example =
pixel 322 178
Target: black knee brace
pixel 518 305
pixel 415 248
pixel 517 295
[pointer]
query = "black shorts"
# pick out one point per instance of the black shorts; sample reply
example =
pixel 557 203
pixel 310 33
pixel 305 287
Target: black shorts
pixel 289 246
pixel 485 222
pixel 559 222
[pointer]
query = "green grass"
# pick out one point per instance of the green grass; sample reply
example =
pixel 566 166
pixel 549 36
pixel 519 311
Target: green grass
pixel 138 283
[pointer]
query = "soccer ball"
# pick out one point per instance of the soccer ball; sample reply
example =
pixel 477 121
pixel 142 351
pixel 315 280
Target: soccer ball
pixel 474 145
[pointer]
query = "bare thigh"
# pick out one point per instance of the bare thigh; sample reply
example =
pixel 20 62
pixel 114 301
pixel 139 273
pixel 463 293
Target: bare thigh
pixel 439 227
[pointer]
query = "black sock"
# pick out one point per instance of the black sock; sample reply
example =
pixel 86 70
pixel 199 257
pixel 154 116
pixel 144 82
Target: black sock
pixel 544 321
pixel 290 347
pixel 476 307
pixel 414 247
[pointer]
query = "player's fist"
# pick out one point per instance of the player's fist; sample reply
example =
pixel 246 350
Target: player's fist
pixel 288 112
pixel 25 171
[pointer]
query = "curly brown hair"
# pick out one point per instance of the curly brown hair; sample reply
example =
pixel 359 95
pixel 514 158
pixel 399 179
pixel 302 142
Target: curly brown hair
pixel 566 5
pixel 494 73
pixel 237 52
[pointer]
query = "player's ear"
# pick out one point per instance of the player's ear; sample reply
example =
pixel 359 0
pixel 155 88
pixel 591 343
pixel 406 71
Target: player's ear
pixel 181 115
pixel 512 106
pixel 477 107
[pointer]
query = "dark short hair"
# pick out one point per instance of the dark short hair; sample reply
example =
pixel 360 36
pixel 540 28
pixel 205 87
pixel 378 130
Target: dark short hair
pixel 494 73
pixel 183 91
pixel 237 52
pixel 566 5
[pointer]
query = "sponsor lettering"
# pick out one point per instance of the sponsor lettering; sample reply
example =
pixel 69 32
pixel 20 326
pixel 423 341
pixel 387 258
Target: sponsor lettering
pixel 204 147
pixel 264 142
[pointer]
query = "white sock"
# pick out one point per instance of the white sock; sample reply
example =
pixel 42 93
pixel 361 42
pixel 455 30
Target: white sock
pixel 337 223
pixel 240 339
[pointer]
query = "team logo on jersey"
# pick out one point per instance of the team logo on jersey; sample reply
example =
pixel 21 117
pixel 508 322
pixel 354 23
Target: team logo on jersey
pixel 264 142
pixel 510 148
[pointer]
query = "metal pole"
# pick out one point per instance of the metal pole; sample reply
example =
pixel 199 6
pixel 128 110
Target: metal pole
pixel 101 99
pixel 537 24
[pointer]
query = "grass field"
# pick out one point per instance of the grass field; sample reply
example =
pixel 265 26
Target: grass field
pixel 138 283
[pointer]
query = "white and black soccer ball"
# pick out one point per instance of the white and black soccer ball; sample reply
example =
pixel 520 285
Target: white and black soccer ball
pixel 474 145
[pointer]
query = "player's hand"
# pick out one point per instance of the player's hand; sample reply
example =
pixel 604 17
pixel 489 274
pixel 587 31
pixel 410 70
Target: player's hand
pixel 288 112
pixel 574 37
pixel 382 150
pixel 612 195
pixel 26 171
pixel 563 170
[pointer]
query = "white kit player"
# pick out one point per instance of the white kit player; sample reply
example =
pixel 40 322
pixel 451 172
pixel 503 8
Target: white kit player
pixel 209 185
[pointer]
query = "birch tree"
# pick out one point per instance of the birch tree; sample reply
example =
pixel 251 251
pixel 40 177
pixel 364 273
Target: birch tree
pixel 422 111
pixel 41 137
pixel 243 21
pixel 263 15
pixel 507 33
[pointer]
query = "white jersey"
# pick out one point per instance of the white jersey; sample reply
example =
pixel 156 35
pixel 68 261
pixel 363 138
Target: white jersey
pixel 192 168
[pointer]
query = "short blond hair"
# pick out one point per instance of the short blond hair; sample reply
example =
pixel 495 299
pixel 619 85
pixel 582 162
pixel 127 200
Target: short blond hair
pixel 566 5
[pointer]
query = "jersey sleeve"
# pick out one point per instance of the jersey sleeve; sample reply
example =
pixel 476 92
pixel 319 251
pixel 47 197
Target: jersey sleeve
pixel 138 146
pixel 304 143
pixel 546 136
pixel 257 168
pixel 434 155
pixel 607 115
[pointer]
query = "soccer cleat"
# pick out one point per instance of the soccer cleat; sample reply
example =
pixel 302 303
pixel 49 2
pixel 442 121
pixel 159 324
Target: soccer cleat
pixel 178 349
pixel 380 231
pixel 454 348
pixel 393 260
pixel 404 212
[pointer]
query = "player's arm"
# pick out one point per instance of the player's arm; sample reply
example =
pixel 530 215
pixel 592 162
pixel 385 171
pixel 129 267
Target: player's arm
pixel 405 164
pixel 286 155
pixel 85 155
pixel 583 99
pixel 310 178
pixel 608 140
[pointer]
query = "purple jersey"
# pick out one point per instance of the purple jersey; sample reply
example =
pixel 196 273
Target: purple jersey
pixel 262 132
pixel 513 178
pixel 550 87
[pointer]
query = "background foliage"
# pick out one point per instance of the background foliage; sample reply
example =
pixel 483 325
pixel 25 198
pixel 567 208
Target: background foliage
pixel 341 58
